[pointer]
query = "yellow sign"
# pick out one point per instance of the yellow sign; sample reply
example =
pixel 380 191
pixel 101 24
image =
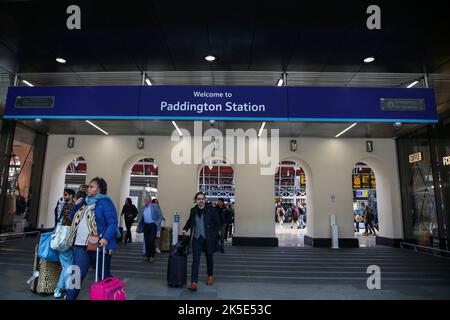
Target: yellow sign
pixel 446 161
pixel 415 157
pixel 356 181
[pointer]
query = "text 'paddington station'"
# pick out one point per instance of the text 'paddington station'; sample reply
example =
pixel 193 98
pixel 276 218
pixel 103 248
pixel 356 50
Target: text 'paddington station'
pixel 208 107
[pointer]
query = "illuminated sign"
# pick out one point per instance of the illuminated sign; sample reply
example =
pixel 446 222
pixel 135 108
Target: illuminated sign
pixel 446 161
pixel 415 157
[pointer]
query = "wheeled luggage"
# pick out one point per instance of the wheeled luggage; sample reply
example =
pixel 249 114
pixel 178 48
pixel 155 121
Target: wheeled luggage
pixel 45 274
pixel 177 266
pixel 110 288
pixel 177 271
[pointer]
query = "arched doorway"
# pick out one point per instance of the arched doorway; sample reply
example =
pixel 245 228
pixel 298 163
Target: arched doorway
pixel 76 172
pixel 364 196
pixel 143 181
pixel 216 180
pixel 290 209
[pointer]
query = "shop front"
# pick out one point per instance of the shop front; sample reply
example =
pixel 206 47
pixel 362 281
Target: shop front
pixel 424 174
pixel 22 163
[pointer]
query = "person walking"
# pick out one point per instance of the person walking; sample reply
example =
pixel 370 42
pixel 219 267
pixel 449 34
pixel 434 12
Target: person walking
pixel 224 217
pixel 148 219
pixel 62 217
pixel 130 212
pixel 295 217
pixel 158 232
pixel 204 223
pixel 367 215
pixel 93 219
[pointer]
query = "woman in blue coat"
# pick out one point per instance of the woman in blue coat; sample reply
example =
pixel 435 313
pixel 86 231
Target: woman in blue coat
pixel 93 216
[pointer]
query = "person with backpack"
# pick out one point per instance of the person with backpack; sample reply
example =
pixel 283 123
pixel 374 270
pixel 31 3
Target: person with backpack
pixel 368 217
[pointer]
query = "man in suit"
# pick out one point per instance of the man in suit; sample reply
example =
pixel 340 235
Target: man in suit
pixel 204 223
pixel 148 219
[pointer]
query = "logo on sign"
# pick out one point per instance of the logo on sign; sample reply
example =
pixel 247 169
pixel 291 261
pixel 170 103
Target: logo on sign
pixel 415 157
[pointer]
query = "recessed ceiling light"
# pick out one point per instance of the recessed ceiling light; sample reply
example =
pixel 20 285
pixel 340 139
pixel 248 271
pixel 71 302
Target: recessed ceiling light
pixel 261 129
pixel 345 130
pixel 369 59
pixel 210 58
pixel 28 83
pixel 413 84
pixel 61 60
pixel 178 129
pixel 97 127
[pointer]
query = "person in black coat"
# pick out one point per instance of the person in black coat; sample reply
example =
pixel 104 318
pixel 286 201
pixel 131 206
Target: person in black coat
pixel 130 213
pixel 204 223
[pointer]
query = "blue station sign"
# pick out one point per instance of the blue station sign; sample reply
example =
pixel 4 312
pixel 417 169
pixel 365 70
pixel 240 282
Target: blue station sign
pixel 223 103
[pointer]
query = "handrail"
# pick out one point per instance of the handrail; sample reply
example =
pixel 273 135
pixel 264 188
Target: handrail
pixel 3 236
pixel 415 246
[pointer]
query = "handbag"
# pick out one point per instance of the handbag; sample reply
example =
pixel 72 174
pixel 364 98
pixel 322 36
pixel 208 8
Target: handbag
pixel 92 243
pixel 140 227
pixel 45 251
pixel 60 237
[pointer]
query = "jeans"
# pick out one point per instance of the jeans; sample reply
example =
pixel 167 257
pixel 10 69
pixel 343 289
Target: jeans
pixel 128 224
pixel 66 260
pixel 150 230
pixel 84 260
pixel 197 245
pixel 223 235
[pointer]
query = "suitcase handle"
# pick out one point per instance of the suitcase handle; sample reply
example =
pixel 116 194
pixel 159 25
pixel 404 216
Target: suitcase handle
pixel 103 264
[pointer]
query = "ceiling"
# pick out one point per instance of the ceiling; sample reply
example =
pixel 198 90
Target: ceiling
pixel 250 35
pixel 165 128
pixel 316 43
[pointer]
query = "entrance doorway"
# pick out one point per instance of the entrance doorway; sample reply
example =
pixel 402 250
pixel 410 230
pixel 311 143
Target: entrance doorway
pixel 290 210
pixel 365 208
pixel 216 181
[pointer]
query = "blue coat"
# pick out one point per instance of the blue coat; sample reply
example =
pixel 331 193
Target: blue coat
pixel 106 219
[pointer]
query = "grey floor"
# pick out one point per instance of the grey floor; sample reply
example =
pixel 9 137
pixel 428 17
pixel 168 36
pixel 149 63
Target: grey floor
pixel 284 273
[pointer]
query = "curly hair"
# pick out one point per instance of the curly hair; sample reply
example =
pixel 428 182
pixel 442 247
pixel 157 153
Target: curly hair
pixel 102 185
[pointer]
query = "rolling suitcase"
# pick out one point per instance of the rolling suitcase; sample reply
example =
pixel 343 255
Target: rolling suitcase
pixel 45 274
pixel 165 238
pixel 107 289
pixel 177 266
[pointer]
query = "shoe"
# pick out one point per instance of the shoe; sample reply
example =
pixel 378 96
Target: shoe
pixel 365 234
pixel 157 250
pixel 57 294
pixel 151 259
pixel 210 281
pixel 193 286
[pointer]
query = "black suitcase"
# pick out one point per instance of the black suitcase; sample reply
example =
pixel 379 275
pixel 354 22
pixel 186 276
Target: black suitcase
pixel 177 271
pixel 177 266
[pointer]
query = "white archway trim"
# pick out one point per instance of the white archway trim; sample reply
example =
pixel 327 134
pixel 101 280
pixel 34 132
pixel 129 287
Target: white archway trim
pixel 57 180
pixel 126 177
pixel 309 192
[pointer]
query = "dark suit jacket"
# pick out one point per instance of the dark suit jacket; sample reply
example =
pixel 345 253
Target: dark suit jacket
pixel 212 225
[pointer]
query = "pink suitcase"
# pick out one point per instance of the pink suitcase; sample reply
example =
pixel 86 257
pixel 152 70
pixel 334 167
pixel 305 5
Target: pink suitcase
pixel 107 289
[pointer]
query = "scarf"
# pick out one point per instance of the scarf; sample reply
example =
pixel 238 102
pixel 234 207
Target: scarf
pixel 93 199
pixel 92 224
